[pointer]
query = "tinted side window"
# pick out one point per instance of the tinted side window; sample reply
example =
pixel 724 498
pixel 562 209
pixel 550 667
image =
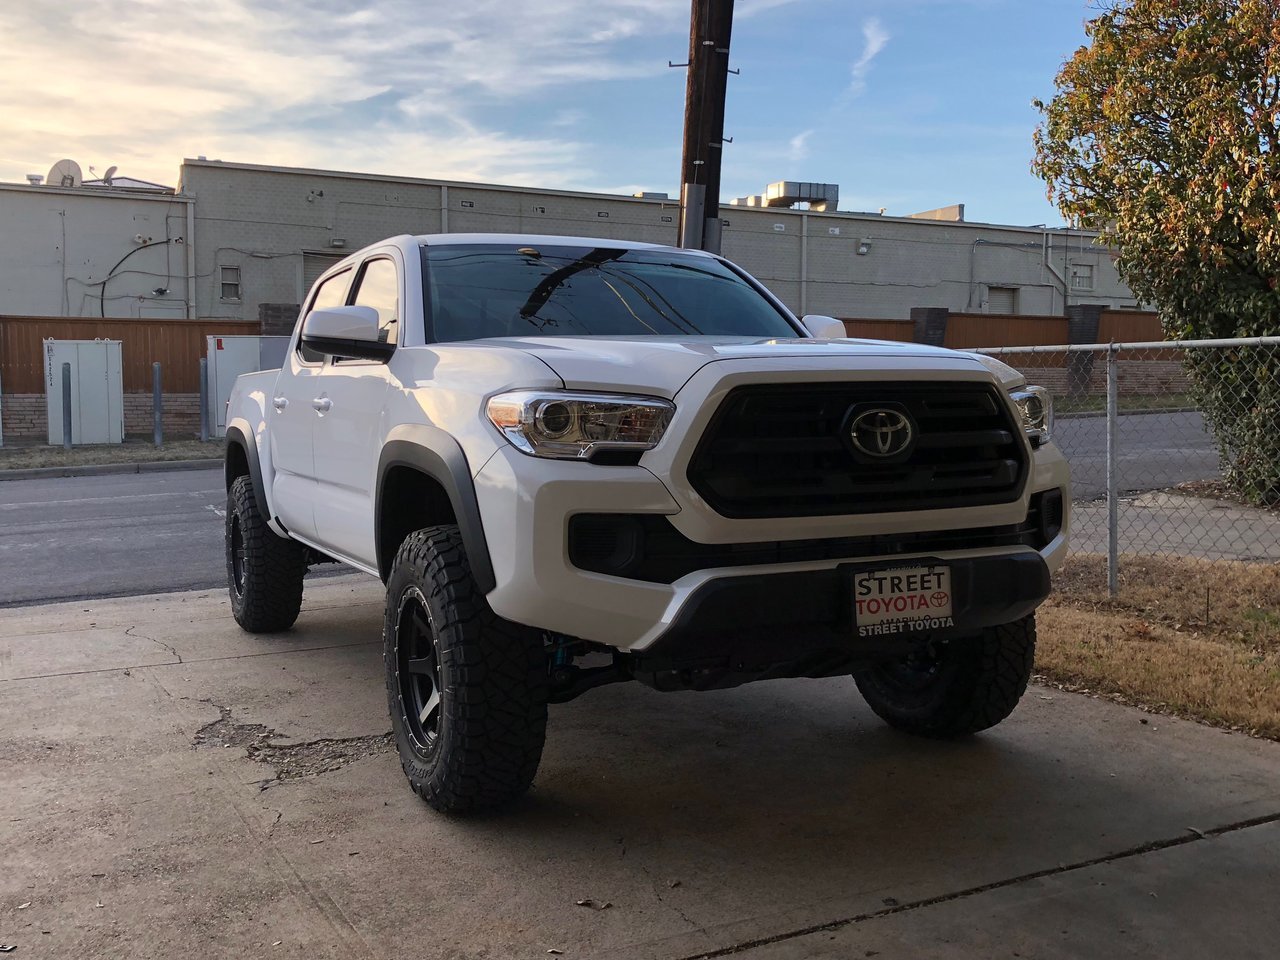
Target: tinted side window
pixel 331 293
pixel 379 288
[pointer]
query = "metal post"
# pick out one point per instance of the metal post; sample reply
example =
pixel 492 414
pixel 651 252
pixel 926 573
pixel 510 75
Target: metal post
pixel 1113 479
pixel 66 406
pixel 157 406
pixel 204 399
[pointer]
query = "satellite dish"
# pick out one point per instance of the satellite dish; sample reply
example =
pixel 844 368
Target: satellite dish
pixel 65 173
pixel 111 172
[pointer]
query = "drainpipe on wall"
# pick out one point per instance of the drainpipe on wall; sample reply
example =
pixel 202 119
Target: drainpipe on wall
pixel 444 208
pixel 804 264
pixel 1054 270
pixel 191 260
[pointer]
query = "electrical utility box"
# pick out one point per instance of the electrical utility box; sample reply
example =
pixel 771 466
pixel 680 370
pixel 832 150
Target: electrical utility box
pixel 97 390
pixel 231 356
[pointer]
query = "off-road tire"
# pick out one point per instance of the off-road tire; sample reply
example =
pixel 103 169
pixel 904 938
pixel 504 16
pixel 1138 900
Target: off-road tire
pixel 969 685
pixel 265 580
pixel 490 676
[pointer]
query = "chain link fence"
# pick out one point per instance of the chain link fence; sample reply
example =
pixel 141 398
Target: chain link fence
pixel 1174 446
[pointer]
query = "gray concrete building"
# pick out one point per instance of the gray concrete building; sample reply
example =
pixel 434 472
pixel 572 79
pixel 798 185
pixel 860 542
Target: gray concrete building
pixel 263 233
pixel 94 250
pixel 244 241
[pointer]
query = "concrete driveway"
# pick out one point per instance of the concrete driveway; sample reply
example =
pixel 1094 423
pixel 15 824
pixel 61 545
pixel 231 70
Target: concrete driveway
pixel 175 788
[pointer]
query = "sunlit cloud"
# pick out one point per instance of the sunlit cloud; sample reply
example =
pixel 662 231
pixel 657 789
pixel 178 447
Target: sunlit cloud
pixel 798 146
pixel 143 83
pixel 874 38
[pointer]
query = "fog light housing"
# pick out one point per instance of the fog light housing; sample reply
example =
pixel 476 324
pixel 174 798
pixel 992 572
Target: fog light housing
pixel 1049 507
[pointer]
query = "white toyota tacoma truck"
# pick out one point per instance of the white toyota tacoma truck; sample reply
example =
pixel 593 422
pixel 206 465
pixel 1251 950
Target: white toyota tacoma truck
pixel 579 461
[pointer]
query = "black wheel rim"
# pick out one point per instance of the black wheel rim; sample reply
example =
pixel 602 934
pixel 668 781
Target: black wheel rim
pixel 418 669
pixel 913 674
pixel 237 556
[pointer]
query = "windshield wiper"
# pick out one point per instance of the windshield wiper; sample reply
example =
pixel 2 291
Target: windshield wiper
pixel 542 292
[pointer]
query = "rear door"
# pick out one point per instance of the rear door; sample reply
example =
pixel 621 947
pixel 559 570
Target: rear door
pixel 349 428
pixel 293 420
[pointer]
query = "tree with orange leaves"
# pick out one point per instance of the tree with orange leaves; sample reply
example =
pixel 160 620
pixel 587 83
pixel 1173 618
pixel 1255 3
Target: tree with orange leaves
pixel 1165 136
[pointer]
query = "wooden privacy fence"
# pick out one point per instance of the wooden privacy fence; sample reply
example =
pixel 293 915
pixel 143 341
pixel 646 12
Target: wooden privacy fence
pixel 968 330
pixel 177 345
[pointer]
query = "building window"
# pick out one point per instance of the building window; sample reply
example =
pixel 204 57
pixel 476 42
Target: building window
pixel 1002 300
pixel 1082 276
pixel 230 279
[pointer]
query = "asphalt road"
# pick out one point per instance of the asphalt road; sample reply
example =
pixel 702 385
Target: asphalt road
pixel 1157 451
pixel 75 537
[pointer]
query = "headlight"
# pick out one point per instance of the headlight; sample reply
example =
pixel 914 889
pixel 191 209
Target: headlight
pixel 1036 407
pixel 575 426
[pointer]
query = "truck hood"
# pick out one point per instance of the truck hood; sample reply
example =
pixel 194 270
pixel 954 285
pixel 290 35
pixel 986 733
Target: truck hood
pixel 660 366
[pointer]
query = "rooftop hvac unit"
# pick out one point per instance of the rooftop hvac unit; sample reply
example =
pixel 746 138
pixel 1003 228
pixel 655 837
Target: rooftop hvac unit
pixel 822 197
pixel 97 390
pixel 231 356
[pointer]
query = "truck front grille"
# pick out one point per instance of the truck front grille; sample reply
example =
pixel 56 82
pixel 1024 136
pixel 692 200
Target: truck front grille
pixel 784 450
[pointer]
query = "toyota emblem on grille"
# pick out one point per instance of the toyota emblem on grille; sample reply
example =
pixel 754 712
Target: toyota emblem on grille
pixel 881 432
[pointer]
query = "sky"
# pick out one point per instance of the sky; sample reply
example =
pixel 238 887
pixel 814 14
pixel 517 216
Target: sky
pixel 906 104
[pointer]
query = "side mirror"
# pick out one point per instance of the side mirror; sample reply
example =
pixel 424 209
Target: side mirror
pixel 346 332
pixel 824 328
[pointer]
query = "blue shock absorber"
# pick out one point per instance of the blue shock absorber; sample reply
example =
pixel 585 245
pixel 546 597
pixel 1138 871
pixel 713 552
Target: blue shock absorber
pixel 561 657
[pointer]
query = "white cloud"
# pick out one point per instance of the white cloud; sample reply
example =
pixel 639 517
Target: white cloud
pixel 747 8
pixel 142 83
pixel 567 118
pixel 874 38
pixel 798 146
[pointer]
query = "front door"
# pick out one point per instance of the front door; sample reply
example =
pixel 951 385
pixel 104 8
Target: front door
pixel 293 417
pixel 349 427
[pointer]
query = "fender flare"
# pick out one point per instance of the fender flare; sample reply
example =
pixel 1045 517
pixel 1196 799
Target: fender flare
pixel 236 436
pixel 438 455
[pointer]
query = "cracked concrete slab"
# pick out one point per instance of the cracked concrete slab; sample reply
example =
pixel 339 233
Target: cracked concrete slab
pixel 720 823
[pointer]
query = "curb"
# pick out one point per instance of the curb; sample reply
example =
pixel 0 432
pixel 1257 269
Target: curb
pixel 106 469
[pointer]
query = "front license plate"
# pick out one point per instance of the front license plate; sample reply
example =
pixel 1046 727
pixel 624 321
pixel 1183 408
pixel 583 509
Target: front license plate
pixel 902 600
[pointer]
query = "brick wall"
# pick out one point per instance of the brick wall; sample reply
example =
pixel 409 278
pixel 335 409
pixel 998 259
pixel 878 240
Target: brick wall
pixel 278 319
pixel 1134 377
pixel 25 415
pixel 181 414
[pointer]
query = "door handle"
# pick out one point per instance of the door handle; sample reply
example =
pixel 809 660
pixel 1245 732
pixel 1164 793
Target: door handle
pixel 280 403
pixel 323 404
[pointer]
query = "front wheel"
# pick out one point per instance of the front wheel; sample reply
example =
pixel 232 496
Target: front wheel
pixel 957 687
pixel 467 690
pixel 264 569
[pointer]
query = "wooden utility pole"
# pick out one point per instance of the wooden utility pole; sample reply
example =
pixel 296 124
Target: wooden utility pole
pixel 710 29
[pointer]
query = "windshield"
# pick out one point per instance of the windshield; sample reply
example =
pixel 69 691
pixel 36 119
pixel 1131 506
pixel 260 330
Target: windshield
pixel 503 290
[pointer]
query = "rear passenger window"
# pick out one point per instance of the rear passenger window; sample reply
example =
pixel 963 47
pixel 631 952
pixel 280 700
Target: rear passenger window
pixel 331 293
pixel 379 287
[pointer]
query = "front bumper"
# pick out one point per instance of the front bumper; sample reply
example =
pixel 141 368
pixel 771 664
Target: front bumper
pixel 750 624
pixel 526 503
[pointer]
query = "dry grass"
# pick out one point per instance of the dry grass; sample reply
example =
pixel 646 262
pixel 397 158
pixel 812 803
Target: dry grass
pixel 26 455
pixel 1187 637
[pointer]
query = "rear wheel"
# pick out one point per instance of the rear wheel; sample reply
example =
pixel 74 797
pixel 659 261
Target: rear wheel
pixel 264 569
pixel 957 687
pixel 467 690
